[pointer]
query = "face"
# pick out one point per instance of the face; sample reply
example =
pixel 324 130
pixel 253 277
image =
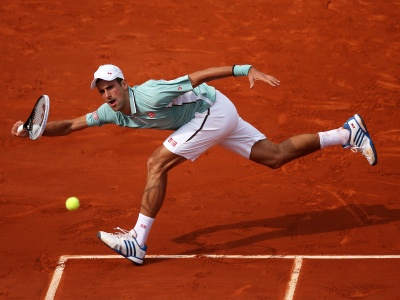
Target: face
pixel 115 95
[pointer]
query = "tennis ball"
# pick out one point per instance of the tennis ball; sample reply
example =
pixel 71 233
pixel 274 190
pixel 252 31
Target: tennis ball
pixel 72 203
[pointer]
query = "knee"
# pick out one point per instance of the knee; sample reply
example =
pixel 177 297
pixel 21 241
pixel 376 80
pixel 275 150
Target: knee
pixel 154 165
pixel 268 154
pixel 276 162
pixel 158 164
pixel 161 161
pixel 272 161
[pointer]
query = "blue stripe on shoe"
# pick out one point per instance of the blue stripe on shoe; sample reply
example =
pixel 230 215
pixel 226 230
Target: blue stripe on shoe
pixel 359 137
pixel 134 249
pixel 128 248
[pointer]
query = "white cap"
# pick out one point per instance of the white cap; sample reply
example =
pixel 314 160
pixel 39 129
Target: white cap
pixel 107 73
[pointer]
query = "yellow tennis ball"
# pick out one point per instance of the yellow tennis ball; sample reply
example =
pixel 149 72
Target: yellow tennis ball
pixel 72 203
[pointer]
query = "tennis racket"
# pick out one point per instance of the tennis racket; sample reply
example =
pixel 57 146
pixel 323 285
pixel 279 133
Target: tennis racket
pixel 36 122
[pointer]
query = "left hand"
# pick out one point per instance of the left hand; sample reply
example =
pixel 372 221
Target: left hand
pixel 254 75
pixel 14 130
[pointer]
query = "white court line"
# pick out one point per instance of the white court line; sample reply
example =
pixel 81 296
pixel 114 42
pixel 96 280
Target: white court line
pixel 294 278
pixel 58 272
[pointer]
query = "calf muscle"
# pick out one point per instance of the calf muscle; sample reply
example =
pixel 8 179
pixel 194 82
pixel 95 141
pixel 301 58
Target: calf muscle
pixel 274 155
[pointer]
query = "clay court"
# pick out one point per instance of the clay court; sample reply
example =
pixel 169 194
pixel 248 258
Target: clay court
pixel 323 227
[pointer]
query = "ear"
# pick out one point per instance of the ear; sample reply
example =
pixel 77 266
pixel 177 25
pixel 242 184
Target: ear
pixel 124 84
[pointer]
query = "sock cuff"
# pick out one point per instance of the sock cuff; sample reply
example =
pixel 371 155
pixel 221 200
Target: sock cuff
pixel 333 137
pixel 321 140
pixel 145 218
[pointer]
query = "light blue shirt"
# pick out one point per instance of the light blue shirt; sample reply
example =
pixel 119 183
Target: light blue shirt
pixel 160 104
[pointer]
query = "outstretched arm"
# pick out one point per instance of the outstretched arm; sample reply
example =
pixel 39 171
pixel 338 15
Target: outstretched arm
pixel 210 74
pixel 55 128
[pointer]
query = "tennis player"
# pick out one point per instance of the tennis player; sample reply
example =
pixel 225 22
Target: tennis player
pixel 200 117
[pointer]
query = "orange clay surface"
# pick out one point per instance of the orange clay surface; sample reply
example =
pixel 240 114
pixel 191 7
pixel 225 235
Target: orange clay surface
pixel 334 58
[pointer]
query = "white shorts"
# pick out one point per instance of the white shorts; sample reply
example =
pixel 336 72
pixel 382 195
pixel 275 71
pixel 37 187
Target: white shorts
pixel 219 125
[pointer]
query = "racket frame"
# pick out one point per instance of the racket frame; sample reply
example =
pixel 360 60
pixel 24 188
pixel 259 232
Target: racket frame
pixel 28 125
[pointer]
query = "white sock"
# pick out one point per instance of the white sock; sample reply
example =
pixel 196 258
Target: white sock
pixel 142 229
pixel 333 137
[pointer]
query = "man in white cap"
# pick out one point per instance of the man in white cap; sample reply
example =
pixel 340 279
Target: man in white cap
pixel 107 73
pixel 200 117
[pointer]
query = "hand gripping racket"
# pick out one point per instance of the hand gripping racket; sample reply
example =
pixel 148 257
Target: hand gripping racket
pixel 36 122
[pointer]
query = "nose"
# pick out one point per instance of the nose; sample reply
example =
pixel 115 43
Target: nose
pixel 107 94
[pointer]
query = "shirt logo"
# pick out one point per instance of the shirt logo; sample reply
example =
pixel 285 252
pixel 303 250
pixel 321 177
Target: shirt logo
pixel 151 114
pixel 172 142
pixel 179 88
pixel 95 115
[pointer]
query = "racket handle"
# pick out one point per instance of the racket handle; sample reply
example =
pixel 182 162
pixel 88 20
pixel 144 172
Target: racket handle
pixel 20 128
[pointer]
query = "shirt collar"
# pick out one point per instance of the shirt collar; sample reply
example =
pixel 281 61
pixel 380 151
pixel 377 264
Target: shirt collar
pixel 132 101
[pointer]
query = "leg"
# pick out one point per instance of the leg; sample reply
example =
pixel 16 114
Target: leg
pixel 186 143
pixel 131 244
pixel 354 134
pixel 158 165
pixel 274 155
pixel 160 162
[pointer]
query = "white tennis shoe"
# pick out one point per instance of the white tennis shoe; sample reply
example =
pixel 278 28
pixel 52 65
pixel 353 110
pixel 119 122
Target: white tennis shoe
pixel 360 140
pixel 124 243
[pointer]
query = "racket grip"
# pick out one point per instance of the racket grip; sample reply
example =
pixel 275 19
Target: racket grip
pixel 20 128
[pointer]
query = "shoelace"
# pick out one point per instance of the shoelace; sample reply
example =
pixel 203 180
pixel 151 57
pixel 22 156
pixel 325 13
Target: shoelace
pixel 123 233
pixel 356 149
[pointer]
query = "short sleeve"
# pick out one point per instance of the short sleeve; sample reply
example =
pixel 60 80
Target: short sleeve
pixel 103 115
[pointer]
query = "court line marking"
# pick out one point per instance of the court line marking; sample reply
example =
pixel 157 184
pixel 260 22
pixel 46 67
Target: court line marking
pixel 291 288
pixel 298 260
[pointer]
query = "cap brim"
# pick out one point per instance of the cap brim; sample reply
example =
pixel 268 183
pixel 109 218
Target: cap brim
pixel 93 84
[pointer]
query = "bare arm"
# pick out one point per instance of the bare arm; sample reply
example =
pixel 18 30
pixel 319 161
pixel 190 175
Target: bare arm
pixel 210 74
pixel 65 127
pixel 55 128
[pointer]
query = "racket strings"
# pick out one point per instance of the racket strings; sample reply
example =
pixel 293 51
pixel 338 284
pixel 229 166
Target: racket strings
pixel 39 112
pixel 38 118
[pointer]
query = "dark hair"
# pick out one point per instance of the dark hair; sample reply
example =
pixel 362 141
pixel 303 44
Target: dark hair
pixel 119 80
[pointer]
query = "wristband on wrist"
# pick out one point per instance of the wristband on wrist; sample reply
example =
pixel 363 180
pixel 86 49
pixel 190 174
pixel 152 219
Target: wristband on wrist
pixel 240 70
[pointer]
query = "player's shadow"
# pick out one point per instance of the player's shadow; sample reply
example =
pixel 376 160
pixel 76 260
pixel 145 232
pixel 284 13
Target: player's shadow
pixel 342 218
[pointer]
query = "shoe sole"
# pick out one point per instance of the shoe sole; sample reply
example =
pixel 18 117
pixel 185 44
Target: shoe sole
pixel 127 257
